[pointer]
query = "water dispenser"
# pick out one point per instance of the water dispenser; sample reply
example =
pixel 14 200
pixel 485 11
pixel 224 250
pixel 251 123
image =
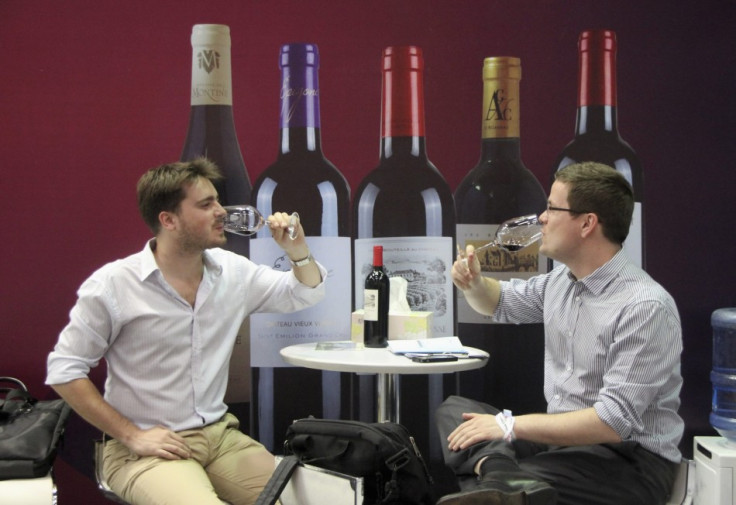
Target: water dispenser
pixel 715 457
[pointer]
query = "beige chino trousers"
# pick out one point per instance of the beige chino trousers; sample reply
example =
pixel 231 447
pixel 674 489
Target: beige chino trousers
pixel 225 465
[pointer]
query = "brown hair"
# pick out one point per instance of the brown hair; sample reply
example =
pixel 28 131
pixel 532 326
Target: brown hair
pixel 599 189
pixel 161 189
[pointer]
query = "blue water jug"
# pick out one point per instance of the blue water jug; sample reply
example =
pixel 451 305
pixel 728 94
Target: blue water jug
pixel 723 375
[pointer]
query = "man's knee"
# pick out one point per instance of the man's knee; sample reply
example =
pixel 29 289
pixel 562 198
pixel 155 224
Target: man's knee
pixel 454 406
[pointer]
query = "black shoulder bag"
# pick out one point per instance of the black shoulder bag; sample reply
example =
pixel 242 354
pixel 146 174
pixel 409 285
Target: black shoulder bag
pixel 30 431
pixel 384 454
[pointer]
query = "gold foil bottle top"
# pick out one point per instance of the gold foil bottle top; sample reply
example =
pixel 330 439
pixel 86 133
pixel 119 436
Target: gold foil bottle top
pixel 502 67
pixel 501 77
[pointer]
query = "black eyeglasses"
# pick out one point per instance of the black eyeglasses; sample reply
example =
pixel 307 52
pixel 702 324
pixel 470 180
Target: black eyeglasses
pixel 562 209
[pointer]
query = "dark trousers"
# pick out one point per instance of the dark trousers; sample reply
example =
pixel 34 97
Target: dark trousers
pixel 606 474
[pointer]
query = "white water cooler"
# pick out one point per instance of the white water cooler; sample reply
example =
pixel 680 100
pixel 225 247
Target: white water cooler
pixel 715 471
pixel 715 457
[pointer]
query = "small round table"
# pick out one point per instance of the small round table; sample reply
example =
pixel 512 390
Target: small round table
pixel 344 357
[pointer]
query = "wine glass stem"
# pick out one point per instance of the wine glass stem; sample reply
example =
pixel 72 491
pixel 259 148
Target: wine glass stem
pixel 477 249
pixel 487 246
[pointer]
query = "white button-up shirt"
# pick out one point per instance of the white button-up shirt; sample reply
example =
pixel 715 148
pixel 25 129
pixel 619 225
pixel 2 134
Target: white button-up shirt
pixel 167 362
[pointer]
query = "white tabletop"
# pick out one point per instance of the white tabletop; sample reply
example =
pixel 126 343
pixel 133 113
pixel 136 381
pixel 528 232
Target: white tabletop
pixel 373 360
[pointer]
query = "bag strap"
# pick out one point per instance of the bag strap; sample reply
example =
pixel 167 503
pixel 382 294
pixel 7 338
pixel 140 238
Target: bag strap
pixel 16 400
pixel 278 481
pixel 17 383
pixel 391 490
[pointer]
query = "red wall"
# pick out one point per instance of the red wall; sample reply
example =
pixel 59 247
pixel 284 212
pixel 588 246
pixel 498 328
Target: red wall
pixel 94 93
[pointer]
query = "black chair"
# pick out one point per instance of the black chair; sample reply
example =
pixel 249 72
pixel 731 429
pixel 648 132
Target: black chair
pixel 100 478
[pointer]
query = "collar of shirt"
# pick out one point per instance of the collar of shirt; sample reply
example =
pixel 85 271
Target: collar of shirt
pixel 597 281
pixel 149 265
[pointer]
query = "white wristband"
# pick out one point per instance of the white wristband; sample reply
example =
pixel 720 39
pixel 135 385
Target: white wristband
pixel 506 421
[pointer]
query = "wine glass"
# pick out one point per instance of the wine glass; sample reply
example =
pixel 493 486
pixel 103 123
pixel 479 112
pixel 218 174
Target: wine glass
pixel 246 220
pixel 514 234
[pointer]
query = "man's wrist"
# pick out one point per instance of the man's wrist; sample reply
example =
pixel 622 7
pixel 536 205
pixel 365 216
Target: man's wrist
pixel 304 261
pixel 505 421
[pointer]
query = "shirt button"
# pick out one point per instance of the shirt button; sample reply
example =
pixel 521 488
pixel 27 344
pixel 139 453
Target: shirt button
pixel 569 368
pixel 557 397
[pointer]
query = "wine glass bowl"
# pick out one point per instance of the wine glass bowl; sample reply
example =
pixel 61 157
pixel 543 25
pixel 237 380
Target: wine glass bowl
pixel 514 234
pixel 518 233
pixel 247 220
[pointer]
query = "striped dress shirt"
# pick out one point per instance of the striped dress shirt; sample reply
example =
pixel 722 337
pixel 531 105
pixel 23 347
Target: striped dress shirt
pixel 612 342
pixel 168 362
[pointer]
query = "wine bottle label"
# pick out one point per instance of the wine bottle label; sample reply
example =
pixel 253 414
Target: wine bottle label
pixel 495 262
pixel 425 263
pixel 211 71
pixel 370 304
pixel 328 320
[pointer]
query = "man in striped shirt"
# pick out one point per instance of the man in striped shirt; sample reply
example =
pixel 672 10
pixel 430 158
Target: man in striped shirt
pixel 612 378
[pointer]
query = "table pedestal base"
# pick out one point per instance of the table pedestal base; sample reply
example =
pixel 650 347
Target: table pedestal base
pixel 387 396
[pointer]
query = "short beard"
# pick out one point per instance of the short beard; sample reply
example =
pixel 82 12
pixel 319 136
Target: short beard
pixel 190 242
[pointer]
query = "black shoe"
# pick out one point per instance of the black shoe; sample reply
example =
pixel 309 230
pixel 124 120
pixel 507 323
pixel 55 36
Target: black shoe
pixel 502 488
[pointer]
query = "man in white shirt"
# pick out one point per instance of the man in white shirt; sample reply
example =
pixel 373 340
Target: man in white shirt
pixel 611 366
pixel 165 320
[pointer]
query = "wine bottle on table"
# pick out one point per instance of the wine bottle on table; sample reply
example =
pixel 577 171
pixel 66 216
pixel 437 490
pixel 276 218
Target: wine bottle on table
pixel 211 134
pixel 405 205
pixel 498 188
pixel 596 128
pixel 302 180
pixel 375 303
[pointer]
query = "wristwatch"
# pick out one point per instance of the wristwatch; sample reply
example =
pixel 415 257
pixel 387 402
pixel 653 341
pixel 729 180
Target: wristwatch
pixel 302 262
